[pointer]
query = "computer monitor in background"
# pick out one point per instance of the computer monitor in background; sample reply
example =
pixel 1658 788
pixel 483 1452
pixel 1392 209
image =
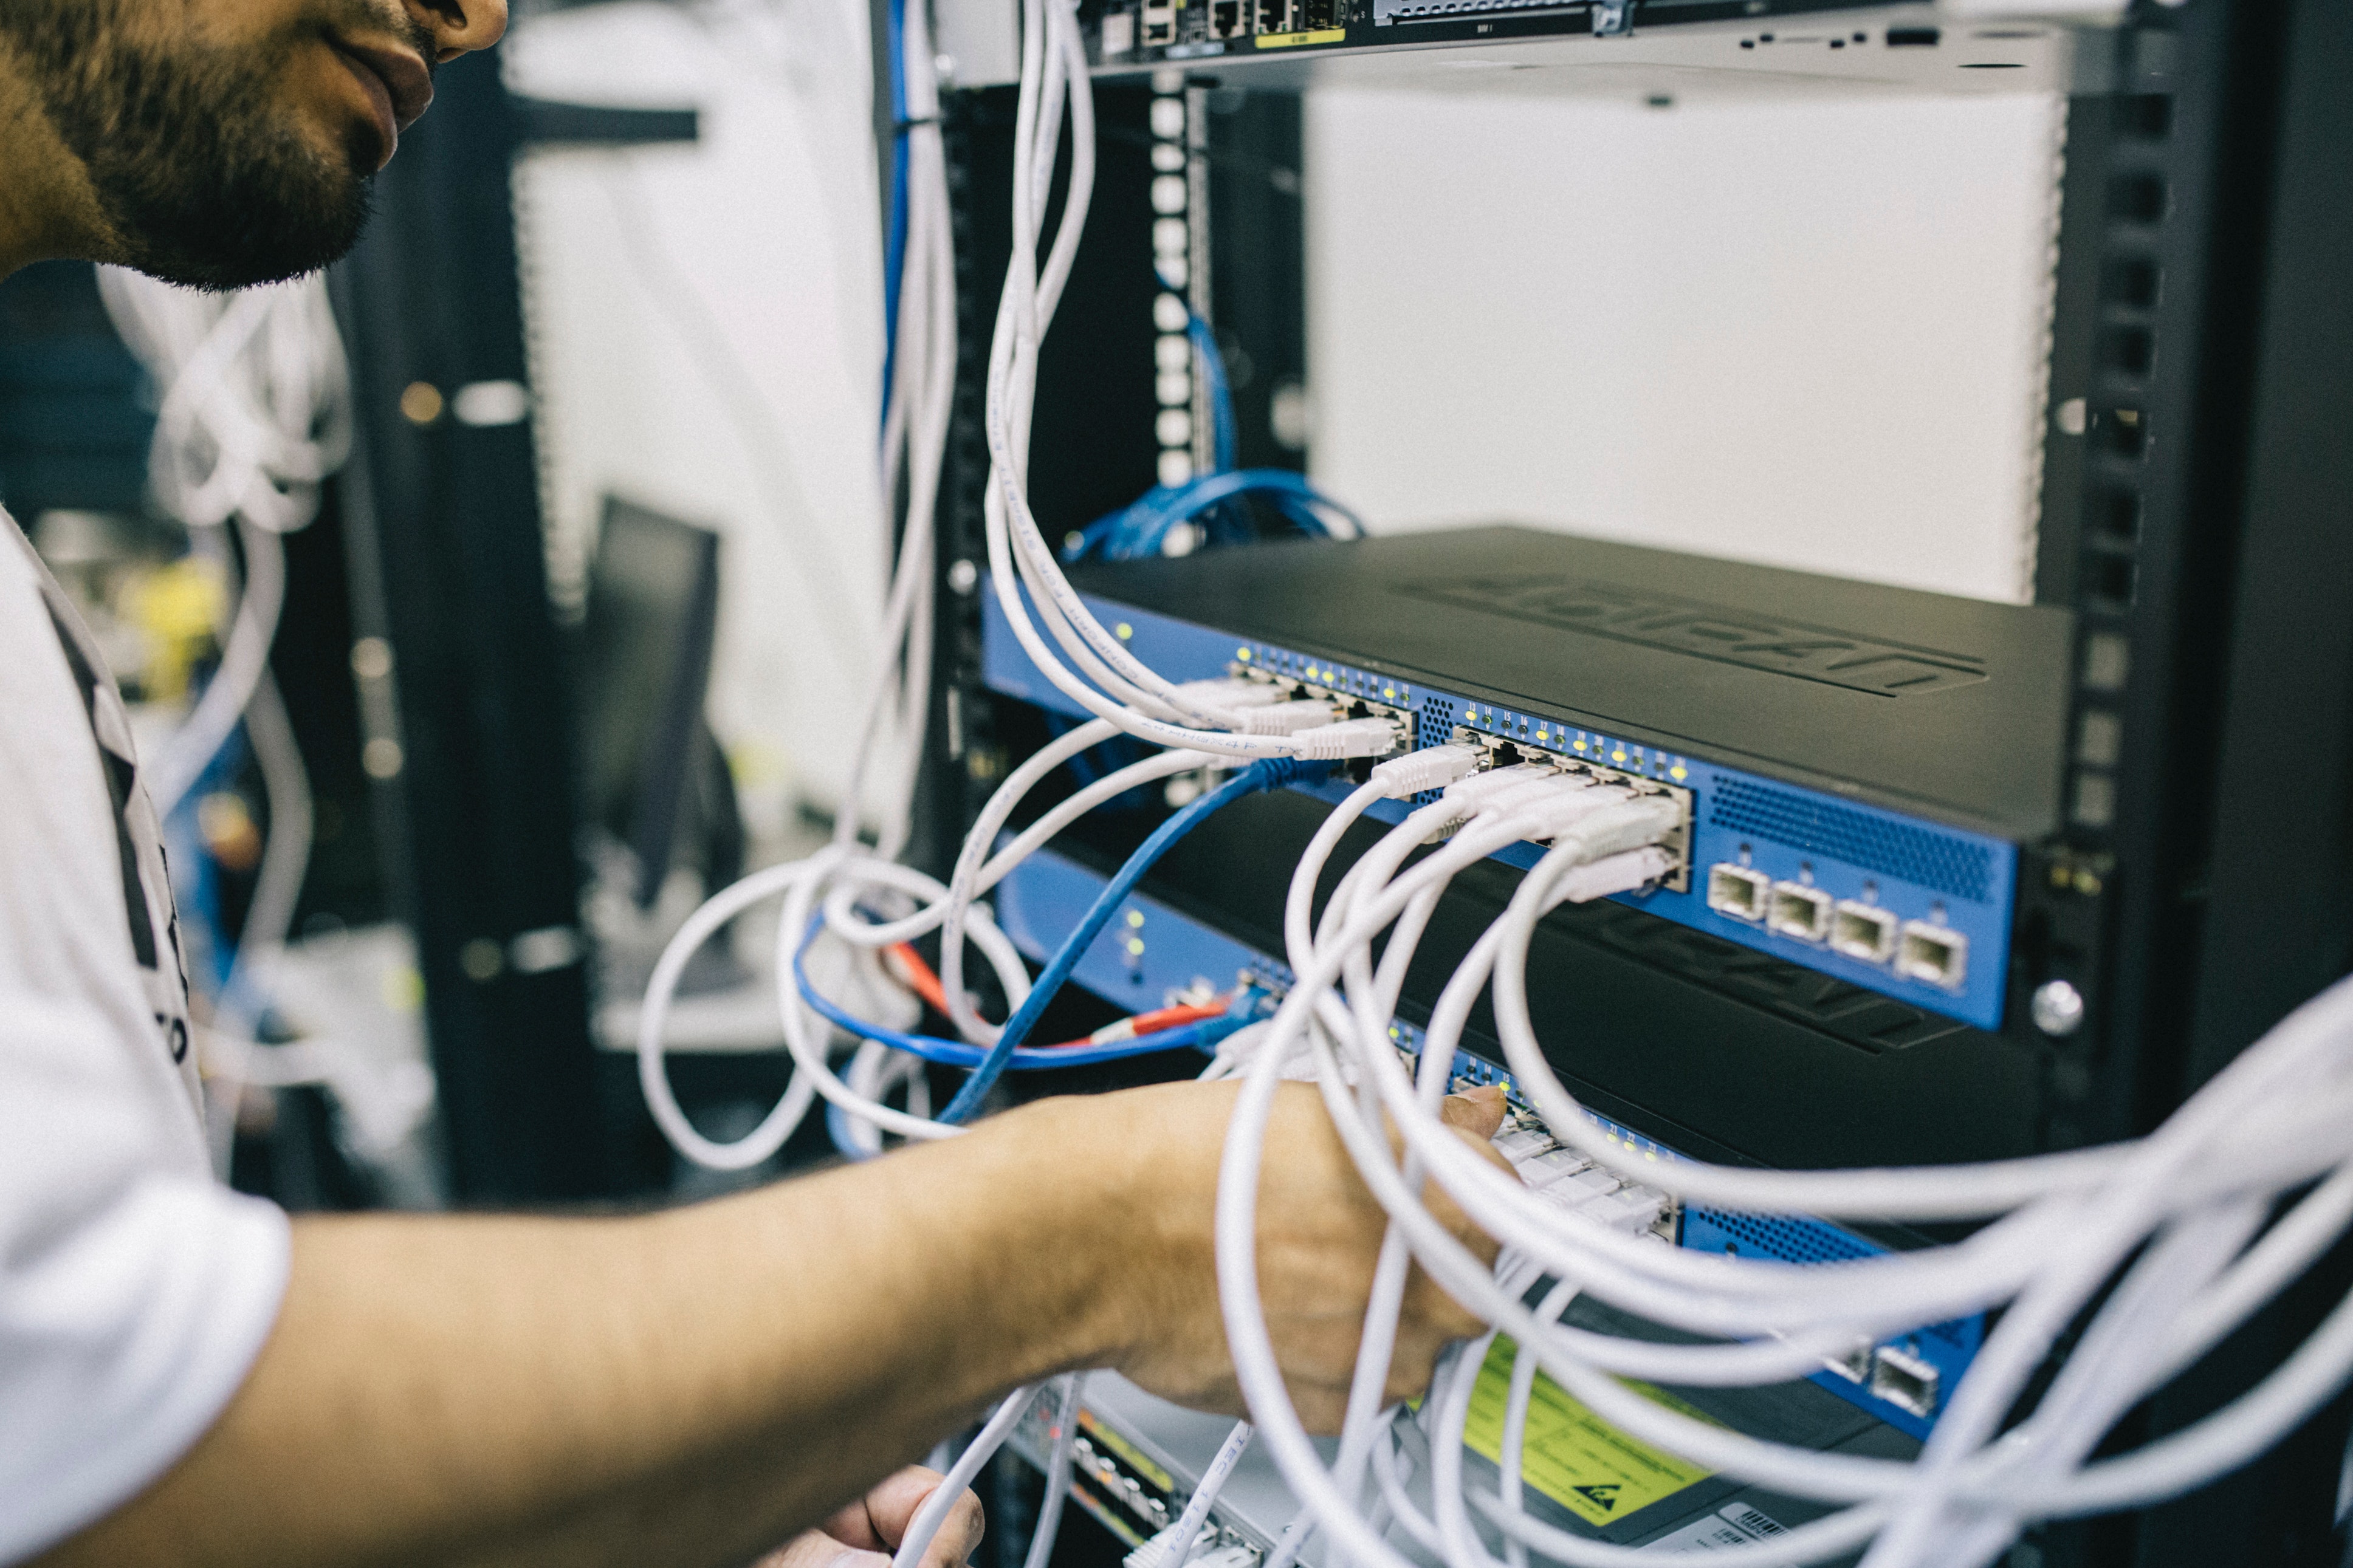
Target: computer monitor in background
pixel 654 774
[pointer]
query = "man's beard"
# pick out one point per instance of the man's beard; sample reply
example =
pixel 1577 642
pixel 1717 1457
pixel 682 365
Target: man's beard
pixel 198 164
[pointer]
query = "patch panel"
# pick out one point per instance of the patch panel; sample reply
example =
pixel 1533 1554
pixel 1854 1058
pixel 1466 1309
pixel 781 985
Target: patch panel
pixel 1848 865
pixel 1902 1381
pixel 1124 1486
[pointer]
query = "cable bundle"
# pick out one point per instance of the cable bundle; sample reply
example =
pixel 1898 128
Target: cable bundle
pixel 860 897
pixel 2177 1229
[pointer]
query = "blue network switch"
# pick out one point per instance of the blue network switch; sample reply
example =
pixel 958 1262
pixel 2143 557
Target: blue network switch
pixel 1913 909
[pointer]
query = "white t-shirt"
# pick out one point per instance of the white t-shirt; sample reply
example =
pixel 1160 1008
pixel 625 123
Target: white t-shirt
pixel 135 1290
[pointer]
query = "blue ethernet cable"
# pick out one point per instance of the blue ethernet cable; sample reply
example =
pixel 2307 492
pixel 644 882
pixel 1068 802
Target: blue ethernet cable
pixel 1225 431
pixel 1203 1036
pixel 1031 1058
pixel 1139 529
pixel 1269 772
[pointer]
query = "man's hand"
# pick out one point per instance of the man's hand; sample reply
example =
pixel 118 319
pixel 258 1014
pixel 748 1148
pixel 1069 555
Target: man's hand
pixel 868 1531
pixel 1319 1236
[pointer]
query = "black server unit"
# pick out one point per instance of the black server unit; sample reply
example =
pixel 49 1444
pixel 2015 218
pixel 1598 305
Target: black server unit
pixel 2176 787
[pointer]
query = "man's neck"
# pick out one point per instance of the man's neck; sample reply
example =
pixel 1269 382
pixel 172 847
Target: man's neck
pixel 47 208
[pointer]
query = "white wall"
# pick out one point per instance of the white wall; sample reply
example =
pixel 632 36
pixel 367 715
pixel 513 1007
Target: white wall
pixel 706 339
pixel 1805 334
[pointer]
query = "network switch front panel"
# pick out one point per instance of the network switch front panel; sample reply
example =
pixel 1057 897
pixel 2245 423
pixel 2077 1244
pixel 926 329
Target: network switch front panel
pixel 1805 44
pixel 1859 764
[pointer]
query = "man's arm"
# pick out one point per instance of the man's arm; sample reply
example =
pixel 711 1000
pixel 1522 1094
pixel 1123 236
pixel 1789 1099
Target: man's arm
pixel 693 1387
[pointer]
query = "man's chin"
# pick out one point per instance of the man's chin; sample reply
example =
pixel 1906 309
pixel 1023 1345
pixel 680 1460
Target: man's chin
pixel 200 248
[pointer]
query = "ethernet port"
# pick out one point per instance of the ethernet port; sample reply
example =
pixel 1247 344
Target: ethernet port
pixel 1738 891
pixel 1935 953
pixel 1159 25
pixel 1862 930
pixel 1224 19
pixel 1904 1380
pixel 1799 911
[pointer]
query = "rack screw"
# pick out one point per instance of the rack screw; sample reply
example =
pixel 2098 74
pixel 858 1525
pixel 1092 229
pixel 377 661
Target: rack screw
pixel 2058 1008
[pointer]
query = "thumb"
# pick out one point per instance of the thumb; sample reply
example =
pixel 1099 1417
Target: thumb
pixel 893 1507
pixel 815 1549
pixel 1479 1110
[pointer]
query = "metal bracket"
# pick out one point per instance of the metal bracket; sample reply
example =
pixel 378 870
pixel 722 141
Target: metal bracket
pixel 1612 18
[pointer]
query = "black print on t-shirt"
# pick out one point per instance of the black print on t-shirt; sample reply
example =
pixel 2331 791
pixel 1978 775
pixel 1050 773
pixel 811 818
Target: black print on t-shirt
pixel 121 773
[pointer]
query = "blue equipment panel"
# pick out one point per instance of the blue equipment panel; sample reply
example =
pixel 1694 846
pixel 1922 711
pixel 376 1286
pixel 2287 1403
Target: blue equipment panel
pixel 1927 876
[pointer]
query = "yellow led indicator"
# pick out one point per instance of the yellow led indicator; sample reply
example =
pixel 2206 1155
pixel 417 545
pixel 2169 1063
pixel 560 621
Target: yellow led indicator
pixel 1579 745
pixel 1617 756
pixel 1124 631
pixel 1243 653
pixel 1136 917
pixel 1390 691
pixel 1136 947
pixel 1540 734
pixel 1678 772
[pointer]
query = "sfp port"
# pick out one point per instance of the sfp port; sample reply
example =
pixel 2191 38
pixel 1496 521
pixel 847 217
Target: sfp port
pixel 1862 930
pixel 1738 891
pixel 1937 954
pixel 1855 1366
pixel 1800 911
pixel 1904 1380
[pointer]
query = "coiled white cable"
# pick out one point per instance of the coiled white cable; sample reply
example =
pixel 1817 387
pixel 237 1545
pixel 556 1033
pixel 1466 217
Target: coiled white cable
pixel 254 414
pixel 840 882
pixel 2200 1188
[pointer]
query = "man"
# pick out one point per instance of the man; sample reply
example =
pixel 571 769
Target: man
pixel 187 1378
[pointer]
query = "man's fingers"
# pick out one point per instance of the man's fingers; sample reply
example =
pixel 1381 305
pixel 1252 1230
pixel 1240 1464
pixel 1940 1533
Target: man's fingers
pixel 1477 1111
pixel 891 1508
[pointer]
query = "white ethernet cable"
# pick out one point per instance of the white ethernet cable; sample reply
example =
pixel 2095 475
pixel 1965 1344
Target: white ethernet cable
pixel 837 881
pixel 2200 1188
pixel 935 1510
pixel 1172 1547
pixel 1058 1472
pixel 254 414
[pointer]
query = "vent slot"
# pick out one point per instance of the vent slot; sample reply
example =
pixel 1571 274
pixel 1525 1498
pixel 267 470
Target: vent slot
pixel 1950 866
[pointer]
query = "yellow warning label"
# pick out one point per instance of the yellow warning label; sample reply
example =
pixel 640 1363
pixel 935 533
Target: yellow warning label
pixel 1293 40
pixel 1573 1456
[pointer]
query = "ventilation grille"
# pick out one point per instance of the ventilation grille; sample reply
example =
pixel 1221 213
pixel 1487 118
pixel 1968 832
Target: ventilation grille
pixel 1435 727
pixel 1950 866
pixel 1437 721
pixel 1802 1241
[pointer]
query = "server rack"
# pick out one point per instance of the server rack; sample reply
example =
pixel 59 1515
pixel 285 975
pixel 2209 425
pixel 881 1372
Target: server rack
pixel 2200 883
